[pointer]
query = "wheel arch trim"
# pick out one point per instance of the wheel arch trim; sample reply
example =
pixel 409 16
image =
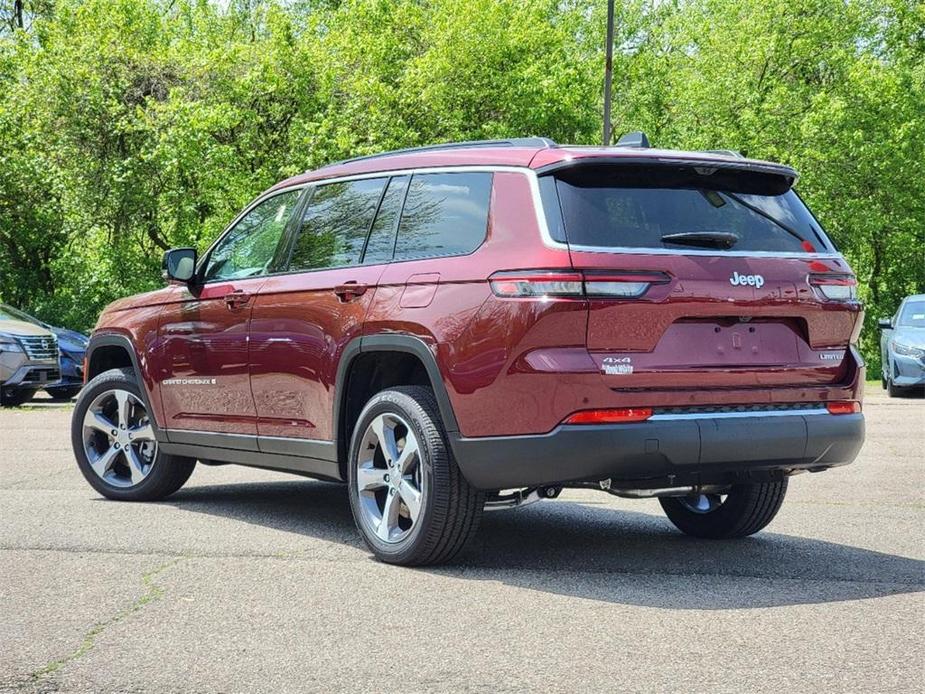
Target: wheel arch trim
pixel 124 342
pixel 386 342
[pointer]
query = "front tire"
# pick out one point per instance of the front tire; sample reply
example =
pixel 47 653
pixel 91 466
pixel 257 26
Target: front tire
pixel 14 397
pixel 743 510
pixel 892 390
pixel 411 503
pixel 112 434
pixel 63 393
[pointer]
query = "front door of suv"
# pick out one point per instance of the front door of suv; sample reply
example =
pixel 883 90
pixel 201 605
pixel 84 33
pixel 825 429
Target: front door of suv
pixel 203 361
pixel 303 319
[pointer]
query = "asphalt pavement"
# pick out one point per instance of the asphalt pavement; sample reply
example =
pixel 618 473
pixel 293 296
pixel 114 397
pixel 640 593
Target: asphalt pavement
pixel 248 580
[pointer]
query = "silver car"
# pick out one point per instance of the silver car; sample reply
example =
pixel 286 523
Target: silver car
pixel 29 359
pixel 902 346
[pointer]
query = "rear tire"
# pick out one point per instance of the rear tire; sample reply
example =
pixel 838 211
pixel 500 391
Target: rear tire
pixel 746 509
pixel 442 512
pixel 112 425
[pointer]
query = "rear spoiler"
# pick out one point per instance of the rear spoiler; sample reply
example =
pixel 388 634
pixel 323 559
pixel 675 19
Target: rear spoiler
pixel 774 178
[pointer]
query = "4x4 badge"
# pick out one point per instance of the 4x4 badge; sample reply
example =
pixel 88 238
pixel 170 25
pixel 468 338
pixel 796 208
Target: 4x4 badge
pixel 617 366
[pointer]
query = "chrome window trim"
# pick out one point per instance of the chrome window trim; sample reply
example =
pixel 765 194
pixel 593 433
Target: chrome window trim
pixel 462 168
pixel 735 415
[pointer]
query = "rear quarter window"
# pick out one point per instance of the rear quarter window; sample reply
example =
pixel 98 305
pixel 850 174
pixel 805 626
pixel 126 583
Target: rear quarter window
pixel 444 214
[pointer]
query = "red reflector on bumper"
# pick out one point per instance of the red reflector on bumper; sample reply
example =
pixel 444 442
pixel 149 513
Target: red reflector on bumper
pixel 612 416
pixel 843 407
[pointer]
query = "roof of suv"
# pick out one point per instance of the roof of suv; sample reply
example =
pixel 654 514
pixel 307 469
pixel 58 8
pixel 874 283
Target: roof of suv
pixel 540 154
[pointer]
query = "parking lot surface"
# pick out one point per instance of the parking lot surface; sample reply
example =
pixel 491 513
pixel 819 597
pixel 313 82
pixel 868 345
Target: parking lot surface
pixel 249 580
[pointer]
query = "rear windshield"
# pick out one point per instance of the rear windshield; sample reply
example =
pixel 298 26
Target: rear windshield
pixel 682 209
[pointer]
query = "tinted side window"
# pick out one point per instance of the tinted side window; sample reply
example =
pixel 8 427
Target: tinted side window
pixel 247 250
pixel 382 237
pixel 444 214
pixel 335 224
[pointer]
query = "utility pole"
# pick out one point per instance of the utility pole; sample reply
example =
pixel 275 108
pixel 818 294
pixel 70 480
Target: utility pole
pixel 17 14
pixel 608 72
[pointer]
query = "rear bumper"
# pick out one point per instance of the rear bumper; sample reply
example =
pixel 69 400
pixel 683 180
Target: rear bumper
pixel 670 450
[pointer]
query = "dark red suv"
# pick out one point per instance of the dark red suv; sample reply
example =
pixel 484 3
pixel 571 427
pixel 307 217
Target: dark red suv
pixel 480 324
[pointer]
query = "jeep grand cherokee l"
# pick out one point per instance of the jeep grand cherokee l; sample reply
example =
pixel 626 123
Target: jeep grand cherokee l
pixel 478 325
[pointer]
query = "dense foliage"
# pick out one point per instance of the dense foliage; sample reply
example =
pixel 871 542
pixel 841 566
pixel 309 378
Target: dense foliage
pixel 128 126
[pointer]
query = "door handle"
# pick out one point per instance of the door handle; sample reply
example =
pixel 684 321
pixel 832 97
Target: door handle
pixel 350 290
pixel 236 299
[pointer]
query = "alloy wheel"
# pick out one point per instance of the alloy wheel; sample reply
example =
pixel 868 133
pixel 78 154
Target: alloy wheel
pixel 118 438
pixel 389 478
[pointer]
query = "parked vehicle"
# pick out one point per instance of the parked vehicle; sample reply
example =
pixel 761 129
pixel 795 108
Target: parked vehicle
pixel 902 347
pixel 478 325
pixel 72 346
pixel 28 359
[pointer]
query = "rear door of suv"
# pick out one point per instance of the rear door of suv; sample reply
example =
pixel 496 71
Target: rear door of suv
pixel 703 279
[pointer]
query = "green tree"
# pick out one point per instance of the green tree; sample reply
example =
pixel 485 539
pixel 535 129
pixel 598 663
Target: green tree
pixel 128 126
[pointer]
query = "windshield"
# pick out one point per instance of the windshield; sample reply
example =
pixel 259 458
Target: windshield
pixel 617 207
pixel 10 313
pixel 912 315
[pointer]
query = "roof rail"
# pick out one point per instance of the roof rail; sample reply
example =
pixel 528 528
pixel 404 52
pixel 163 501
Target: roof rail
pixel 538 142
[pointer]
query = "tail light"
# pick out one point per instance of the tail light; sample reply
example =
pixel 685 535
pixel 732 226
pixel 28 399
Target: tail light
pixel 536 285
pixel 540 284
pixel 843 407
pixel 835 287
pixel 610 416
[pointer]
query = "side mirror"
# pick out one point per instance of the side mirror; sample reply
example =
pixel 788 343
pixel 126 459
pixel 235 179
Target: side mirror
pixel 885 323
pixel 179 264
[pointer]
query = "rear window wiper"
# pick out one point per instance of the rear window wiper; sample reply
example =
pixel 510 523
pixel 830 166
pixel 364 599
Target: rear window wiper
pixel 703 239
pixel 757 210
